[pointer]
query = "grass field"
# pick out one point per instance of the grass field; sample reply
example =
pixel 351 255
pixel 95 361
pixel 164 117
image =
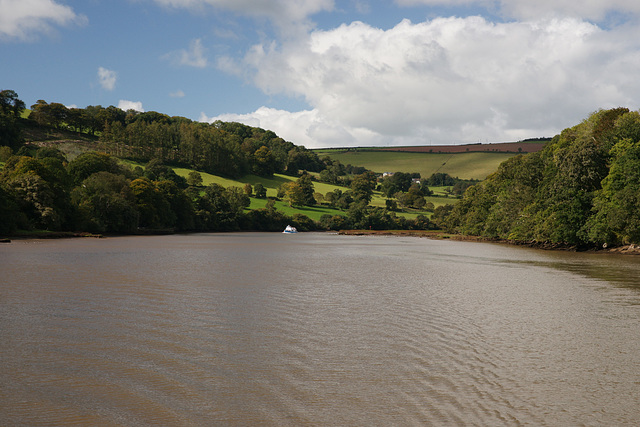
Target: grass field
pixel 461 165
pixel 313 212
pixel 271 184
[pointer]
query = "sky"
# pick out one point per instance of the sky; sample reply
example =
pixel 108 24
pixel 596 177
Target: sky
pixel 332 73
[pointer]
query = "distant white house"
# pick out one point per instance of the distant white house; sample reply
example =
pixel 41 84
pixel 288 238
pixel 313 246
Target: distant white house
pixel 386 174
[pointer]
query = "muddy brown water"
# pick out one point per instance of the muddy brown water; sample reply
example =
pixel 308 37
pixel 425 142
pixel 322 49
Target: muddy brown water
pixel 315 329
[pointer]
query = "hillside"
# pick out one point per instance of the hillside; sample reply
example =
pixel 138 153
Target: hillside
pixel 581 190
pixel 464 165
pixel 104 170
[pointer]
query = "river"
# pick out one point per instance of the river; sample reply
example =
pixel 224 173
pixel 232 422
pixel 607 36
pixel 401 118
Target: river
pixel 315 329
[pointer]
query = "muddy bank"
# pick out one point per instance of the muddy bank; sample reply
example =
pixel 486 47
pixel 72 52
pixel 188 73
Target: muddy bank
pixel 47 235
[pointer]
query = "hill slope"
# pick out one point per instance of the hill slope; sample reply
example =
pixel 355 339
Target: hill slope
pixel 471 165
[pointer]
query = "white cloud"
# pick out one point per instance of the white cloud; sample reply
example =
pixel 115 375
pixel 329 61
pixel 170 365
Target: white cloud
pixel 177 94
pixel 528 9
pixel 444 81
pixel 23 19
pixel 107 78
pixel 130 105
pixel 308 127
pixel 193 57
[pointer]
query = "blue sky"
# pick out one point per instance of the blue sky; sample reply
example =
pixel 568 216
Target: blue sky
pixel 325 73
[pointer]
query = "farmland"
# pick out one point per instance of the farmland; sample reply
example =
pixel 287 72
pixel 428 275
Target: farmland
pixel 465 165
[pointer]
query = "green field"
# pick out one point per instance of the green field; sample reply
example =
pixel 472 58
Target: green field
pixel 271 184
pixel 460 165
pixel 313 212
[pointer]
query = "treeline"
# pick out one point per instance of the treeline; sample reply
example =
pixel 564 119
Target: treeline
pixel 582 189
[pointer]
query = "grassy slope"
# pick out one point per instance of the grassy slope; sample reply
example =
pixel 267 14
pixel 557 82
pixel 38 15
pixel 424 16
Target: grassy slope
pixel 315 212
pixel 271 184
pixel 462 165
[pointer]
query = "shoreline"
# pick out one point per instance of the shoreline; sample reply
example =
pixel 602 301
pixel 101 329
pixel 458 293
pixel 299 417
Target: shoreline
pixel 631 249
pixel 48 235
pixel 442 235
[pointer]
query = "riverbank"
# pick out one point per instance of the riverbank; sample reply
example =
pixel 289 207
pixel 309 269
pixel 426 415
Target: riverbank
pixel 23 235
pixel 441 235
pixel 631 249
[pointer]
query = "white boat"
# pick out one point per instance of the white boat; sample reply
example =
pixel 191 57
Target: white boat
pixel 290 230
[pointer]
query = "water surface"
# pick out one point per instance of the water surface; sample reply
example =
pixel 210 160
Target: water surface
pixel 315 329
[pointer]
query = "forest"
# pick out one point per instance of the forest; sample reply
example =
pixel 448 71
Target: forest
pixel 582 190
pixel 40 189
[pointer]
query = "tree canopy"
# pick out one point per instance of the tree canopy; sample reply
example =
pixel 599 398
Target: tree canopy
pixel 581 190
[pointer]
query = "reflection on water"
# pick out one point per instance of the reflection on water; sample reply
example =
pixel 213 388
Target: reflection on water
pixel 315 329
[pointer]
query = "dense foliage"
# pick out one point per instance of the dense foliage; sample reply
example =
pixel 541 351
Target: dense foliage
pixel 10 108
pixel 583 189
pixel 40 189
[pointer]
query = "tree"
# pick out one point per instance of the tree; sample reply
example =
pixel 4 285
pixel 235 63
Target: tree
pixel 77 119
pixel 238 200
pixel 363 186
pixel 328 176
pixel 9 212
pixel 36 199
pixel 260 191
pixel 617 204
pixel 50 152
pixel 54 114
pixel 154 209
pixel 299 158
pixel 106 203
pixel 334 222
pixel 180 204
pixel 216 212
pixel 194 179
pixel 306 186
pixel 10 109
pixel 264 162
pixel 5 153
pixel 345 200
pixel 157 171
pixel 10 104
pixel 40 187
pixel 248 189
pixel 293 193
pixel 87 164
pixel 399 181
pixel 319 197
pixel 440 179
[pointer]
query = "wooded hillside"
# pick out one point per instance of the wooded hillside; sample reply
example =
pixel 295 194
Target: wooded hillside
pixel 96 191
pixel 582 189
